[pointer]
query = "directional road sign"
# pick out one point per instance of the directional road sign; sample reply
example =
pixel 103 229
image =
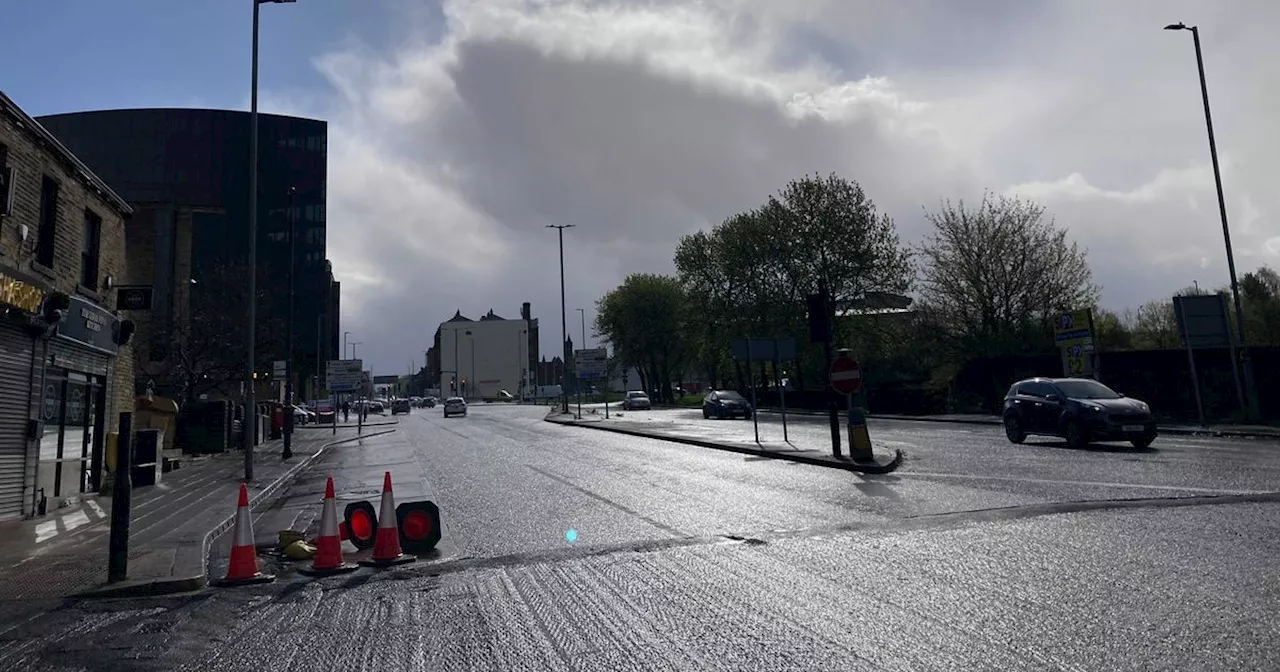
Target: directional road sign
pixel 344 375
pixel 591 364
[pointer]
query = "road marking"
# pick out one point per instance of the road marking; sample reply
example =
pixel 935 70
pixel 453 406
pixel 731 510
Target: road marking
pixel 1097 484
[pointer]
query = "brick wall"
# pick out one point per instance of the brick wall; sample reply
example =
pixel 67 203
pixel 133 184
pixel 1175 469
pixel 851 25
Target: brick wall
pixel 33 160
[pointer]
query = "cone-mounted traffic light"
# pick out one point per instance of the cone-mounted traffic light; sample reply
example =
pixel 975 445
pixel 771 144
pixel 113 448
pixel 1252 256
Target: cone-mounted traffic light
pixel 362 524
pixel 453 384
pixel 419 524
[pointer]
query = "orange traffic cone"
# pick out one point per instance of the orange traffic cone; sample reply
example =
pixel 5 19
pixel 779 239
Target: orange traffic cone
pixel 386 545
pixel 328 558
pixel 243 568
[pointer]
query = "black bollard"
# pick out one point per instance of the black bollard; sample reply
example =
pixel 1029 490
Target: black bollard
pixel 121 503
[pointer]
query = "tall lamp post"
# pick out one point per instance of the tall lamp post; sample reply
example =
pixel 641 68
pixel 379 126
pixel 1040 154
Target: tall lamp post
pixel 1251 407
pixel 471 345
pixel 564 328
pixel 345 334
pixel 287 452
pixel 583 314
pixel 353 348
pixel 249 425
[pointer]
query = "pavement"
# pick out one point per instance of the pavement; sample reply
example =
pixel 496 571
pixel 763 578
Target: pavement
pixel 174 525
pixel 569 549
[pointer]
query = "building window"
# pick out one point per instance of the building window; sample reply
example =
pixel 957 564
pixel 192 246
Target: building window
pixel 89 248
pixel 48 221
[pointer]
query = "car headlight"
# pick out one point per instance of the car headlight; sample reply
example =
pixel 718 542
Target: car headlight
pixel 1093 409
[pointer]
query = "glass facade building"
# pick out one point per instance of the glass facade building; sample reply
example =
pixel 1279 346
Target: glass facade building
pixel 187 170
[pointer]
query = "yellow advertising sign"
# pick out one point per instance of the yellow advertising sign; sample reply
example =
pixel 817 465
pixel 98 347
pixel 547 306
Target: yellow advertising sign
pixel 1073 328
pixel 1077 360
pixel 20 294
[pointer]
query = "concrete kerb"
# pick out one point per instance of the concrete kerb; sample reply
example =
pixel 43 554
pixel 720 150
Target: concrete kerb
pixel 860 467
pixel 186 584
pixel 995 422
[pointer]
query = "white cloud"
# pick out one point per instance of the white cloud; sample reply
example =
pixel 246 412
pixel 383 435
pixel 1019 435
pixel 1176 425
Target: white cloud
pixel 641 121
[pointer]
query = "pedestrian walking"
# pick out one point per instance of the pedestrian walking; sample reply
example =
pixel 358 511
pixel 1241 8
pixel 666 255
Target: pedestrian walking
pixel 346 411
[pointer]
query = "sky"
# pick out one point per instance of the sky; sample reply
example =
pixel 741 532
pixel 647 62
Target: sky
pixel 460 129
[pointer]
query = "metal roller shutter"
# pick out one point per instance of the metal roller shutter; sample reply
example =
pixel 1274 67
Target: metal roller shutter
pixel 15 410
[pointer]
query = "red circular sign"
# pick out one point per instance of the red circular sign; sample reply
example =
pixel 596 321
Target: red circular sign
pixel 846 375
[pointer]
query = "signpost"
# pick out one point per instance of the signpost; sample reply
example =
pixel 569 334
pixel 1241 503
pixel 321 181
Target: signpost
pixel 1073 333
pixel 342 376
pixel 775 349
pixel 846 377
pixel 590 364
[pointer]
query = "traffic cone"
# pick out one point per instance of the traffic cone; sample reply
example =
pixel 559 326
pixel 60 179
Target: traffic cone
pixel 243 568
pixel 328 557
pixel 386 546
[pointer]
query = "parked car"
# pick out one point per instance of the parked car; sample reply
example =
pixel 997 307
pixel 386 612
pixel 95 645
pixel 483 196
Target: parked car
pixel 723 404
pixel 302 416
pixel 400 406
pixel 376 407
pixel 455 406
pixel 429 402
pixel 1079 410
pixel 636 401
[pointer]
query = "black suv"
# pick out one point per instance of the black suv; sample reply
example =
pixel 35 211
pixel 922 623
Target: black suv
pixel 1079 410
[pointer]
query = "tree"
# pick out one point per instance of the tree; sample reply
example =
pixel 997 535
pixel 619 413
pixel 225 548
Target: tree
pixel 643 319
pixel 992 276
pixel 203 351
pixel 1110 331
pixel 750 274
pixel 1260 294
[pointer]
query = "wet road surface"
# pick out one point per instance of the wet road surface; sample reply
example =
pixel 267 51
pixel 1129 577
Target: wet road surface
pixel 976 555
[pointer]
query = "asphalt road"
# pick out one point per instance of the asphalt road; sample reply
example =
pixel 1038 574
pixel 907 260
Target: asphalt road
pixel 572 549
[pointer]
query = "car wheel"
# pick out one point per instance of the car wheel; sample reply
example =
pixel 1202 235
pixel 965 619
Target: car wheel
pixel 1074 435
pixel 1013 430
pixel 1143 442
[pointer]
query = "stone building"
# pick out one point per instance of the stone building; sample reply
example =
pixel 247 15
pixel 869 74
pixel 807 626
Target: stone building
pixel 64 378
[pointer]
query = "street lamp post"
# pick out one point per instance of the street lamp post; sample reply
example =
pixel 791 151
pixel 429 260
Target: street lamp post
pixel 353 348
pixel 456 362
pixel 520 364
pixel 564 328
pixel 287 452
pixel 471 345
pixel 344 343
pixel 249 425
pixel 1251 406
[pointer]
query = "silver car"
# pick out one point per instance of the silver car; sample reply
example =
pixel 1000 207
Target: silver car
pixel 636 401
pixel 455 406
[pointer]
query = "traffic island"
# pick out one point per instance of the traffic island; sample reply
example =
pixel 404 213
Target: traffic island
pixel 778 451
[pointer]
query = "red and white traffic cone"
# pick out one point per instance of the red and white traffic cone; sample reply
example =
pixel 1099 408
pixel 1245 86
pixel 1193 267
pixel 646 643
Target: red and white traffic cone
pixel 243 568
pixel 386 545
pixel 328 558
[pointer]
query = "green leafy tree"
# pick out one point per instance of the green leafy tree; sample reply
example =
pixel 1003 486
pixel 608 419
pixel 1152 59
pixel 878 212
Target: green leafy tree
pixel 991 276
pixel 643 319
pixel 750 274
pixel 1260 294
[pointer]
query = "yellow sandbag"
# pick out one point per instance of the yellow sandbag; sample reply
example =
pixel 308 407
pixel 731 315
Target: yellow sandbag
pixel 288 537
pixel 300 550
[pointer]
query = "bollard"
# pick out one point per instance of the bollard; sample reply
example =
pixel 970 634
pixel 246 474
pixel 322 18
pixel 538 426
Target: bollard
pixel 859 438
pixel 121 502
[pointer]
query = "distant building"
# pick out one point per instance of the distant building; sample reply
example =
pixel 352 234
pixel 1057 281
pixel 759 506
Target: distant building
pixel 478 358
pixel 62 240
pixel 186 174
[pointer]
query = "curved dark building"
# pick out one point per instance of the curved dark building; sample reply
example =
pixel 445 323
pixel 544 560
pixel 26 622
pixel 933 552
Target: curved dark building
pixel 186 174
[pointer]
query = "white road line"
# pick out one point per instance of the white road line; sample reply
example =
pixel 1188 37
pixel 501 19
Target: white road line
pixel 1098 484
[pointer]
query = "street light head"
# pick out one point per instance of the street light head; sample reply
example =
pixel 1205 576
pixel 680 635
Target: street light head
pixel 1176 26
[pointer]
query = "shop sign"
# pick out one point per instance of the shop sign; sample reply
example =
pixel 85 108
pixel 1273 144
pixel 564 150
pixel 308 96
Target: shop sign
pixel 20 294
pixel 89 324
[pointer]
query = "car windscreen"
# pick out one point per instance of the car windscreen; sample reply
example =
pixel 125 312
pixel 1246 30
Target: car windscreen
pixel 1086 389
pixel 637 395
pixel 729 396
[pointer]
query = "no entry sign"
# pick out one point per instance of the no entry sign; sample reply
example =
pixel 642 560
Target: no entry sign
pixel 846 375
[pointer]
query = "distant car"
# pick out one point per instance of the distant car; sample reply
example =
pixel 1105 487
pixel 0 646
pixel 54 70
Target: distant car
pixel 1079 410
pixel 455 406
pixel 374 406
pixel 400 406
pixel 636 401
pixel 723 404
pixel 302 416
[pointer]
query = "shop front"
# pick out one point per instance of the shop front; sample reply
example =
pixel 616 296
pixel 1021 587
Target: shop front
pixel 74 387
pixel 20 300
